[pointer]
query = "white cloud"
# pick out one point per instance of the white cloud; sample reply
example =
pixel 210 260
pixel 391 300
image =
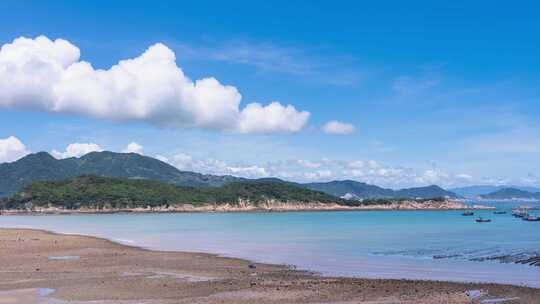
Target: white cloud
pixel 319 174
pixel 301 170
pixel 309 164
pixel 186 162
pixel 256 118
pixel 362 164
pixel 337 127
pixel 368 171
pixel 181 161
pixel 11 149
pixel 162 158
pixel 249 171
pixel 77 150
pixel 356 164
pixel 465 177
pixel 45 75
pixel 134 148
pixel 432 176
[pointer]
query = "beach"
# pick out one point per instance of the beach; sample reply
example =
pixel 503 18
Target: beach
pixel 44 267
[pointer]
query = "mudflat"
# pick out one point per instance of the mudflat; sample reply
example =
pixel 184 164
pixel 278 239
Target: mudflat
pixel 42 267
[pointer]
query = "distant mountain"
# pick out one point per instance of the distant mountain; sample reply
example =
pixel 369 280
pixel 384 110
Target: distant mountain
pixel 478 190
pixel 475 191
pixel 432 191
pixel 511 193
pixel 42 166
pixel 356 190
pixel 97 192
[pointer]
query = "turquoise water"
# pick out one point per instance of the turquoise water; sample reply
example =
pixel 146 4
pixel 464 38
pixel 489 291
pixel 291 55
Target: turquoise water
pixel 382 244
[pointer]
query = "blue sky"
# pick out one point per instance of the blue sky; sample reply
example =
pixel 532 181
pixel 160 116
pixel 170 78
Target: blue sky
pixel 424 93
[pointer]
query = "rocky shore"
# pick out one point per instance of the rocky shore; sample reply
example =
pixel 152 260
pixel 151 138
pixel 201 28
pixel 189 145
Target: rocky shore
pixel 267 206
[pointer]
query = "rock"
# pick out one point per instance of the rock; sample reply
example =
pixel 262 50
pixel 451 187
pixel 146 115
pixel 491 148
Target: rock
pixel 474 294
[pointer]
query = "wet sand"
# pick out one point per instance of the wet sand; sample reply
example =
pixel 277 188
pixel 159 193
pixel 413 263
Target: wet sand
pixel 82 269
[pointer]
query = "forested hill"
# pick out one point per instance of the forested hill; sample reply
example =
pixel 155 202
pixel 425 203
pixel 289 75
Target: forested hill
pixel 42 166
pixel 97 192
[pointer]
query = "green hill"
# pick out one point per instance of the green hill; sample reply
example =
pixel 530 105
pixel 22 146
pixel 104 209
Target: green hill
pixel 42 166
pixel 100 192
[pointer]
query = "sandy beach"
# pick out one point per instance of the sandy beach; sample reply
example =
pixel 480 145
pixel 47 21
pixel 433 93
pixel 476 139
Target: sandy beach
pixel 43 267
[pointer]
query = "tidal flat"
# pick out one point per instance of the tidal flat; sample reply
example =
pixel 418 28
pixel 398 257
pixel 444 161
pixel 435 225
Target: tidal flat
pixel 108 272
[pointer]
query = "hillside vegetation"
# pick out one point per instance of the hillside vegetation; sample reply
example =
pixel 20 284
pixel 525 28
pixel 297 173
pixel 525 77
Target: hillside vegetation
pixel 91 191
pixel 42 166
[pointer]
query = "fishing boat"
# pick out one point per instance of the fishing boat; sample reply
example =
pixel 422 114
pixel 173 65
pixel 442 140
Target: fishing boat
pixel 467 213
pixel 499 212
pixel 531 218
pixel 482 220
pixel 519 212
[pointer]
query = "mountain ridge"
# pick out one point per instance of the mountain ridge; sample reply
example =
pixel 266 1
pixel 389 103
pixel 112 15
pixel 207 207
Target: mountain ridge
pixel 511 193
pixel 42 166
pixel 478 190
pixel 358 190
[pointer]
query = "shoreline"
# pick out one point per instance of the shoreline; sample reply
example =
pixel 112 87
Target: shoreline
pixel 234 275
pixel 270 206
pixel 128 211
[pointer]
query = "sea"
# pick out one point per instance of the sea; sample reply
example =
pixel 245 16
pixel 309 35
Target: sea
pixel 426 245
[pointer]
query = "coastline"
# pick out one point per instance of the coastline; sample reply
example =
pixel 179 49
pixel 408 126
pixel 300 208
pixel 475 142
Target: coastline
pixel 268 206
pixel 83 268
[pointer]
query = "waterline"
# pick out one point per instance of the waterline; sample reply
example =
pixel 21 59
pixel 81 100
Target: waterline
pixel 371 244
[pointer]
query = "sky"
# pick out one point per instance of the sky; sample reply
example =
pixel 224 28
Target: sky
pixel 391 93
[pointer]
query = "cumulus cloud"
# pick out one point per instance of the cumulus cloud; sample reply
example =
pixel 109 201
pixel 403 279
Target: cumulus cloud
pixel 134 148
pixel 249 171
pixel 301 170
pixel 309 164
pixel 337 127
pixel 181 161
pixel 11 149
pixel 48 75
pixel 256 118
pixel 319 174
pixel 360 164
pixel 432 176
pixel 186 162
pixel 77 150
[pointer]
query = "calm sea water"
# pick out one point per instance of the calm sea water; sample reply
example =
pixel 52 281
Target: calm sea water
pixel 375 244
